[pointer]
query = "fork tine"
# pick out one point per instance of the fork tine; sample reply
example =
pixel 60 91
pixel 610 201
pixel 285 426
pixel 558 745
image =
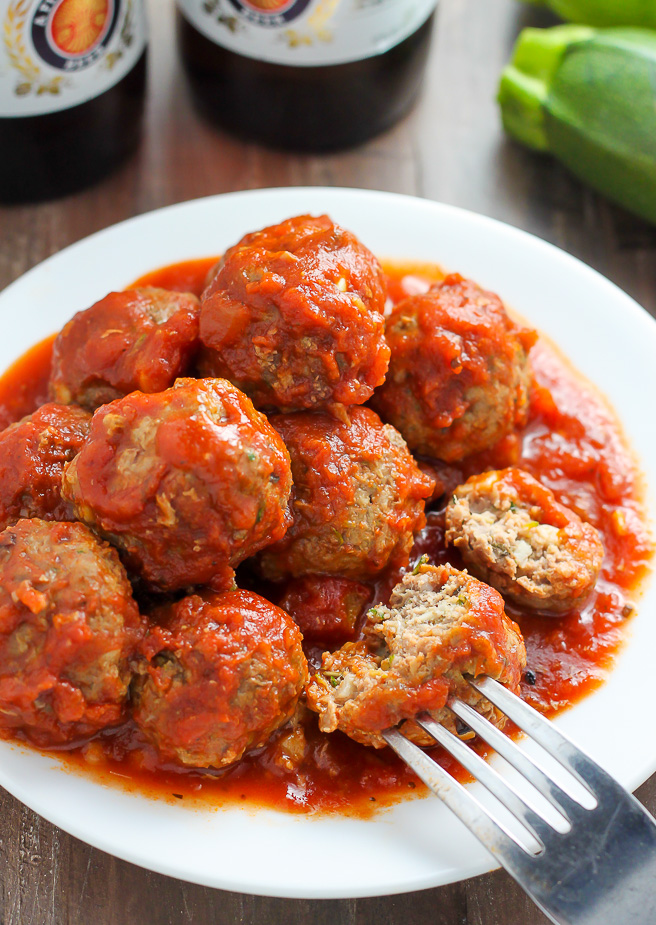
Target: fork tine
pixel 519 760
pixel 541 731
pixel 488 777
pixel 493 835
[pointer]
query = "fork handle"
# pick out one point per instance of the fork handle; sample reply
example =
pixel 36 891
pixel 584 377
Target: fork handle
pixel 614 883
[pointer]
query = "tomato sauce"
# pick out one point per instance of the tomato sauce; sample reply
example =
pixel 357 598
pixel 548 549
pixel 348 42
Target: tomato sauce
pixel 24 386
pixel 572 443
pixel 189 276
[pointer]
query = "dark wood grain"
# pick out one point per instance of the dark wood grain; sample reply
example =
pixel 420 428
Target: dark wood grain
pixel 451 149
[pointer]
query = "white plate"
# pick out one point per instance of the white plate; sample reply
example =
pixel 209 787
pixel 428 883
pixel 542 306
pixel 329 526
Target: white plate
pixel 417 844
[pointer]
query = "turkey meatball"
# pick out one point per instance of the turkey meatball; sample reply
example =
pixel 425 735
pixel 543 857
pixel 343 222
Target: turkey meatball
pixel 441 625
pixel 458 377
pixel 358 496
pixel 68 629
pixel 512 533
pixel 33 453
pixel 217 676
pixel 294 317
pixel 186 482
pixel 138 339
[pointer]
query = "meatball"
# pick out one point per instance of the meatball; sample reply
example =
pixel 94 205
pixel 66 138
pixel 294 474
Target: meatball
pixel 326 608
pixel 218 676
pixel 186 482
pixel 458 377
pixel 512 533
pixel 68 629
pixel 33 453
pixel 138 339
pixel 358 496
pixel 441 624
pixel 294 317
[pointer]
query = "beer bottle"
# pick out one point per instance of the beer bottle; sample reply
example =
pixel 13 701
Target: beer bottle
pixel 305 75
pixel 72 82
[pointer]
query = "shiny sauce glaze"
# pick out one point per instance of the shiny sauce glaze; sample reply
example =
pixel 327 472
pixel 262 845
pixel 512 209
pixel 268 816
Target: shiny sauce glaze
pixel 572 443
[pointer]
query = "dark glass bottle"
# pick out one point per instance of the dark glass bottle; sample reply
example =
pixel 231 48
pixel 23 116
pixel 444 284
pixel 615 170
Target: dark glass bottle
pixel 72 86
pixel 262 68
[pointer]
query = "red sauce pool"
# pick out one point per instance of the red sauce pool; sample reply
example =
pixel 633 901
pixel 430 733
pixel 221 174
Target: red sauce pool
pixel 24 386
pixel 180 277
pixel 572 443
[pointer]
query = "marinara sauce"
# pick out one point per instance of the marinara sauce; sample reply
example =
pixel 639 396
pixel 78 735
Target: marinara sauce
pixel 573 443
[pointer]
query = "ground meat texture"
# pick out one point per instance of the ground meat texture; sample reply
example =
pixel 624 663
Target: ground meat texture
pixel 358 496
pixel 68 629
pixel 440 626
pixel 458 377
pixel 186 482
pixel 33 453
pixel 512 533
pixel 218 674
pixel 294 317
pixel 326 608
pixel 138 339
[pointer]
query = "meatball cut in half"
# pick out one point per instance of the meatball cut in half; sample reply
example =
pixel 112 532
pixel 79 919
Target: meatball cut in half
pixel 33 453
pixel 512 533
pixel 186 482
pixel 68 629
pixel 358 496
pixel 217 676
pixel 138 339
pixel 440 626
pixel 294 317
pixel 458 377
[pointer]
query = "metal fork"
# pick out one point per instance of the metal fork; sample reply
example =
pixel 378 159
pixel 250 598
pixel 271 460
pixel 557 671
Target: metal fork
pixel 601 870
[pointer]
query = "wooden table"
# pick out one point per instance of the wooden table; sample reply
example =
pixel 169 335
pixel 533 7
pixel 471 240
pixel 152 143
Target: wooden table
pixel 449 149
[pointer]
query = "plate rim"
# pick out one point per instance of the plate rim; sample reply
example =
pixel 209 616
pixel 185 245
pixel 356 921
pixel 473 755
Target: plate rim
pixel 641 317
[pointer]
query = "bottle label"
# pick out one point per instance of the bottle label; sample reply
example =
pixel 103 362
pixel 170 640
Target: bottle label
pixel 55 54
pixel 307 32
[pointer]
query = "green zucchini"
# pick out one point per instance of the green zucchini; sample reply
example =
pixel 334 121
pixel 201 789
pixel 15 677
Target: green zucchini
pixel 604 12
pixel 588 97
